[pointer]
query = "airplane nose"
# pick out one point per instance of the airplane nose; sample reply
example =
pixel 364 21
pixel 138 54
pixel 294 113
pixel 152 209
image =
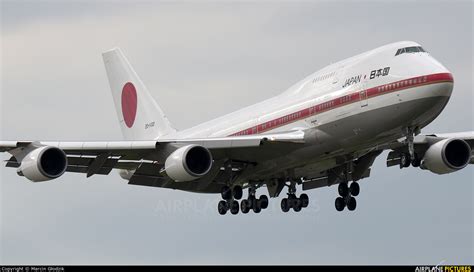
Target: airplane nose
pixel 441 83
pixel 437 68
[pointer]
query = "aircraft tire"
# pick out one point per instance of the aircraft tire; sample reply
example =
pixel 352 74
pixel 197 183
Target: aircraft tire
pixel 340 204
pixel 354 189
pixel 222 207
pixel 351 204
pixel 234 207
pixel 263 201
pixel 285 207
pixel 237 192
pixel 343 189
pixel 226 193
pixel 245 206
pixel 304 200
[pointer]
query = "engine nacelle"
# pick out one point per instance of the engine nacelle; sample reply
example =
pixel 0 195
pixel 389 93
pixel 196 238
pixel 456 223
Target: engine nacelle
pixel 188 163
pixel 447 156
pixel 43 163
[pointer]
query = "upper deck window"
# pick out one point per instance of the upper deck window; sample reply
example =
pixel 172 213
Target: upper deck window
pixel 411 49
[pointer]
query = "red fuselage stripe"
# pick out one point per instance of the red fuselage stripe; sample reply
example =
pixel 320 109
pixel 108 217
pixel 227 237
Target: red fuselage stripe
pixel 347 99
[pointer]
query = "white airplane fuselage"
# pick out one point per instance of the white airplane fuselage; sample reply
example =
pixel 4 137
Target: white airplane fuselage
pixel 357 103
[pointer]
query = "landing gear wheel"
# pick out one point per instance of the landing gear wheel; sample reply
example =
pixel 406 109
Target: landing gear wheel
pixel 222 207
pixel 343 189
pixel 297 205
pixel 250 201
pixel 285 207
pixel 245 206
pixel 340 204
pixel 263 200
pixel 304 200
pixel 292 199
pixel 226 193
pixel 404 160
pixel 351 203
pixel 416 162
pixel 354 189
pixel 234 207
pixel 256 206
pixel 237 192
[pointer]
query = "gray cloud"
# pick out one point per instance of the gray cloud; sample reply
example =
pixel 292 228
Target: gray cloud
pixel 194 56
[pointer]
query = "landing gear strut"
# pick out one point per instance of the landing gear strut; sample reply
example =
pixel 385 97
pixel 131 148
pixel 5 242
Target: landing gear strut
pixel 297 203
pixel 410 137
pixel 410 158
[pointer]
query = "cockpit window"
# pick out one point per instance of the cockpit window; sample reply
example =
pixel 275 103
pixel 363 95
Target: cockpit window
pixel 411 49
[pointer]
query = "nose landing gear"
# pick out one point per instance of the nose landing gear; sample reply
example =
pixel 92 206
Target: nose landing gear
pixel 411 157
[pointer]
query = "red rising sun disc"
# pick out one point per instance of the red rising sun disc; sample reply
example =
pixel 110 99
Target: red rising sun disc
pixel 129 104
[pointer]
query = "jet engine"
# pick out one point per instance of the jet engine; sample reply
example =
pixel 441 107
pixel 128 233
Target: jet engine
pixel 43 163
pixel 188 163
pixel 447 156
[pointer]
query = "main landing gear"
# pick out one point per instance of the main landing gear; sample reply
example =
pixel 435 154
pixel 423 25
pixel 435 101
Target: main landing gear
pixel 297 203
pixel 254 203
pixel 347 196
pixel 230 203
pixel 231 195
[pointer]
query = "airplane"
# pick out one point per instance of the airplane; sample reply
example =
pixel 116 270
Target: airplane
pixel 325 130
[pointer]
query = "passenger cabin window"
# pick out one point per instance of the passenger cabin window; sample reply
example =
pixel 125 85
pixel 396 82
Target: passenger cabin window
pixel 411 49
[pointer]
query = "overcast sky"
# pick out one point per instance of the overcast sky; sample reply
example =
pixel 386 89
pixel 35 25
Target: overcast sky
pixel 201 60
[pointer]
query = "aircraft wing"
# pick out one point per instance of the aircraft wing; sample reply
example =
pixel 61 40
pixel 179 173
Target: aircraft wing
pixel 146 158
